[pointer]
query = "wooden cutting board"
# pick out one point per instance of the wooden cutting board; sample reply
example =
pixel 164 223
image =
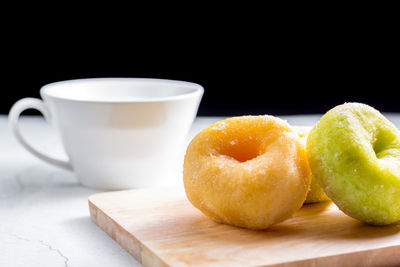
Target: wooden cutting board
pixel 159 227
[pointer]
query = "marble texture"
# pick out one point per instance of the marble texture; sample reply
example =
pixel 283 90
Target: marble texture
pixel 44 216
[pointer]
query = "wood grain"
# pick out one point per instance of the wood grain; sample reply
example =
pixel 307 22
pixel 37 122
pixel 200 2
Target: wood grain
pixel 159 227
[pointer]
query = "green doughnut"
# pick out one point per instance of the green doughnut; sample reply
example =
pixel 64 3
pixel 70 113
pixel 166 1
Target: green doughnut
pixel 354 153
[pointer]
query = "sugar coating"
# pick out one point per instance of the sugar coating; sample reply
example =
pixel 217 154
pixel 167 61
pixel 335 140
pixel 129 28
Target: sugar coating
pixel 219 126
pixel 248 171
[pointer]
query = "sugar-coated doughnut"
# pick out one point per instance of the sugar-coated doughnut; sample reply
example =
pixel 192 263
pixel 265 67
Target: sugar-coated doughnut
pixel 316 193
pixel 249 171
pixel 354 153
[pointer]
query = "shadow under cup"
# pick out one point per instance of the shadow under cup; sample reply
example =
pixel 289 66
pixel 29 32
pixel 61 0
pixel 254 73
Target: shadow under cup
pixel 118 133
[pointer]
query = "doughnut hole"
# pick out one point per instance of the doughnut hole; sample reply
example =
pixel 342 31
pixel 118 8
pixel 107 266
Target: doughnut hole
pixel 383 143
pixel 242 150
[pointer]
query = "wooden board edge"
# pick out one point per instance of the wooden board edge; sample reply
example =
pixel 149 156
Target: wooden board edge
pixel 134 247
pixel 386 256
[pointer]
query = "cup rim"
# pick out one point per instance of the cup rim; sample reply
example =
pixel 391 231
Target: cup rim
pixel 196 89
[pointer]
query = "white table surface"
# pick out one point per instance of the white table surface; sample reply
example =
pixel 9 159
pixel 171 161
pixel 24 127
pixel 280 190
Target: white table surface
pixel 44 216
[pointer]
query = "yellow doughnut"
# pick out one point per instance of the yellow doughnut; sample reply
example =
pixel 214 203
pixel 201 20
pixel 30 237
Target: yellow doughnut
pixel 316 193
pixel 249 171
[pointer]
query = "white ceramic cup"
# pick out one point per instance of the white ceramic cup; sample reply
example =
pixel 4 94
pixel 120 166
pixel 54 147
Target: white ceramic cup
pixel 118 133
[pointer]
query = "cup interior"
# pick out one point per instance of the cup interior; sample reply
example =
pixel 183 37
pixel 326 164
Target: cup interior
pixel 121 90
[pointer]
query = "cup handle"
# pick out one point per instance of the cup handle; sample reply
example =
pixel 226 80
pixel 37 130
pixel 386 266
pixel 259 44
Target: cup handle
pixel 13 116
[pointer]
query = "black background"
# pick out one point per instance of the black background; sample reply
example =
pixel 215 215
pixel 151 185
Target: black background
pixel 258 68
